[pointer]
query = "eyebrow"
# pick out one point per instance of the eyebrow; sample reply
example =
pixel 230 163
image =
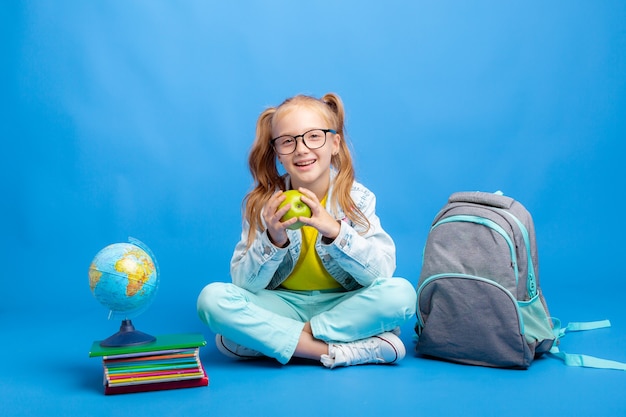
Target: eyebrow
pixel 304 131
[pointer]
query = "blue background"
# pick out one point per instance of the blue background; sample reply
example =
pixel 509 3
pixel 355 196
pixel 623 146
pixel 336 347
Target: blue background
pixel 135 118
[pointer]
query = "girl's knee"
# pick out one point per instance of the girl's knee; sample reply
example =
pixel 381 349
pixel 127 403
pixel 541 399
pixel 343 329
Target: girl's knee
pixel 213 298
pixel 208 295
pixel 402 292
pixel 406 288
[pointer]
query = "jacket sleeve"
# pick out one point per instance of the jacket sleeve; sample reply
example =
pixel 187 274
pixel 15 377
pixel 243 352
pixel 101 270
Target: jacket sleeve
pixel 367 256
pixel 253 268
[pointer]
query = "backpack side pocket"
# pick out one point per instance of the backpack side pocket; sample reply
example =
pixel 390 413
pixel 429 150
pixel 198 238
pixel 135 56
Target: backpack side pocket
pixel 537 325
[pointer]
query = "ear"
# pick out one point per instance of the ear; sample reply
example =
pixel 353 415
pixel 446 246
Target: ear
pixel 336 141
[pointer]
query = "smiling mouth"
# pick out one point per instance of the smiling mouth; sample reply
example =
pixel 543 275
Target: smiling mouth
pixel 304 163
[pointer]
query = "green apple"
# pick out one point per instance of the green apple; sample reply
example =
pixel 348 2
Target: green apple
pixel 298 208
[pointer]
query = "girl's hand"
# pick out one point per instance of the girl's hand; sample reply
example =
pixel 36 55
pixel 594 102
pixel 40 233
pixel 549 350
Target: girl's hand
pixel 320 218
pixel 272 215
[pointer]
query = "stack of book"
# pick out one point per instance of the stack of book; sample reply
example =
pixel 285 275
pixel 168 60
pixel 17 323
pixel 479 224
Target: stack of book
pixel 170 362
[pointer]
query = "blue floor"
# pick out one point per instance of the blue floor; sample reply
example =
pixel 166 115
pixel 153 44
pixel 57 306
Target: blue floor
pixel 47 371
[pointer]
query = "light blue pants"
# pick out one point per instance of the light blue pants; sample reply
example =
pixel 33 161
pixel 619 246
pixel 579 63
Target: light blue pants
pixel 271 321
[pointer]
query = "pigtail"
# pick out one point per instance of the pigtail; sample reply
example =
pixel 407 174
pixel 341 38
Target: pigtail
pixel 262 165
pixel 342 162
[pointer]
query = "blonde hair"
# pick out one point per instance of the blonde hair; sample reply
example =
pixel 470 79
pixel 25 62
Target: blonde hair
pixel 267 179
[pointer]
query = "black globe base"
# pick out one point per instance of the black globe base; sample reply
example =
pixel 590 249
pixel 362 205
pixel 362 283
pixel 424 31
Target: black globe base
pixel 127 336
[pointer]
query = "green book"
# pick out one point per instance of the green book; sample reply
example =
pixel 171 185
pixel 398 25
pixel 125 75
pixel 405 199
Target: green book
pixel 163 342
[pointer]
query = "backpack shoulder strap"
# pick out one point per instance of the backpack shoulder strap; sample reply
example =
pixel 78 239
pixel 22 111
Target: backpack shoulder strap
pixel 575 359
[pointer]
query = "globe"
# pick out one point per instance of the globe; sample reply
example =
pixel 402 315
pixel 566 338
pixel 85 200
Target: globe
pixel 124 277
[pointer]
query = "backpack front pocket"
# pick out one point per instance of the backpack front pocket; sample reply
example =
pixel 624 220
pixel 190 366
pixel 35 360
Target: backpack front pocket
pixel 469 319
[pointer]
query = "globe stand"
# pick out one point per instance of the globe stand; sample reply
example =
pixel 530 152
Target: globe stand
pixel 127 336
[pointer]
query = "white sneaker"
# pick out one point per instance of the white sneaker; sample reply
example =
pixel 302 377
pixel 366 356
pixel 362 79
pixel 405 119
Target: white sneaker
pixel 235 351
pixel 383 348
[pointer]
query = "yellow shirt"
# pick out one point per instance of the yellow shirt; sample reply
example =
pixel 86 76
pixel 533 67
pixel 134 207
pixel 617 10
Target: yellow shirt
pixel 309 273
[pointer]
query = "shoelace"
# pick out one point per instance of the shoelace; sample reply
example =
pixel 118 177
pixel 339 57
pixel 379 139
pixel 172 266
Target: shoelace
pixel 365 351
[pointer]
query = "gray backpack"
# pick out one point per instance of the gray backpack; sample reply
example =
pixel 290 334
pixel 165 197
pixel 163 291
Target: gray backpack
pixel 478 297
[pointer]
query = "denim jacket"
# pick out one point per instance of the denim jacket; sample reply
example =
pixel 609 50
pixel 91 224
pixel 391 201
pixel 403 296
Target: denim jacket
pixel 353 259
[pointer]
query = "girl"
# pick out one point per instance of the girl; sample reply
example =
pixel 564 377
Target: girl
pixel 325 291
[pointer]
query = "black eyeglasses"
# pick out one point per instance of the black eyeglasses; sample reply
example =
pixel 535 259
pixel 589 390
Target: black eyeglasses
pixel 312 139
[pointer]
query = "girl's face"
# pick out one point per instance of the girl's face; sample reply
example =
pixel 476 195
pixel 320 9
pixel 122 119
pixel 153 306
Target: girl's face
pixel 308 168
